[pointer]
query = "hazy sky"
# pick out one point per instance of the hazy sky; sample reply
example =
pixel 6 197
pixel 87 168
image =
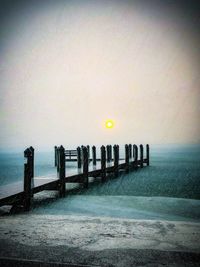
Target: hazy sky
pixel 67 66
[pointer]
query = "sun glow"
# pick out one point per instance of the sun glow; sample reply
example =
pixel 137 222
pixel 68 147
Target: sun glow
pixel 109 124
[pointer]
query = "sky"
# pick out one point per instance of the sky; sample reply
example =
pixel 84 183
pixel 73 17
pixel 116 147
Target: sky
pixel 68 66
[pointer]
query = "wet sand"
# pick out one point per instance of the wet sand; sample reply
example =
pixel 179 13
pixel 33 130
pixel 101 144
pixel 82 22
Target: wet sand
pixel 83 240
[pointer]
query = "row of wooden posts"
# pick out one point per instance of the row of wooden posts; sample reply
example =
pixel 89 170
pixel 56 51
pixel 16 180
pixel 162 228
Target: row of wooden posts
pixel 131 151
pixel 83 159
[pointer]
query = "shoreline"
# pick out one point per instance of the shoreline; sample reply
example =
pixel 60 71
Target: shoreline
pixel 99 233
pixel 99 241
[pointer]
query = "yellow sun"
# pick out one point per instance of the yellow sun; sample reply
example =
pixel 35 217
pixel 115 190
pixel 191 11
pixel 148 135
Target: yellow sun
pixel 109 124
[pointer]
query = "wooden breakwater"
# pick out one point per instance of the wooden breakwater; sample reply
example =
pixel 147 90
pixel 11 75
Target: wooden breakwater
pixel 108 164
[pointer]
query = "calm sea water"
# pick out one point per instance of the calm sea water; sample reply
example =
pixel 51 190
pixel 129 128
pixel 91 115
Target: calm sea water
pixel 170 186
pixel 174 171
pixel 12 166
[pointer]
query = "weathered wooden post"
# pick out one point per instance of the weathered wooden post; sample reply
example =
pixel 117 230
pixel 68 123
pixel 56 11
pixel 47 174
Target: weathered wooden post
pixel 32 167
pixel 82 153
pixel 147 154
pixel 62 171
pixel 85 166
pixel 107 153
pixel 94 156
pixel 127 154
pixel 103 163
pixel 32 161
pixel 88 149
pixel 130 151
pixel 79 157
pixel 135 149
pixel 110 153
pixel 27 179
pixel 141 156
pixel 133 153
pixel 116 160
pixel 55 156
pixel 118 157
pixel 118 152
pixel 58 160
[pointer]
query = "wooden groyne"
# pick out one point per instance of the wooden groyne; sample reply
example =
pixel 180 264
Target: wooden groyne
pixel 108 164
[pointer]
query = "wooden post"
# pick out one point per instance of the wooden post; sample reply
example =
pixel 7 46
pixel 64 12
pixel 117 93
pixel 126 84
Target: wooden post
pixel 103 163
pixel 147 154
pixel 32 168
pixel 116 160
pixel 32 163
pixel 55 156
pixel 94 156
pixel 135 156
pixel 82 153
pixel 58 160
pixel 88 148
pixel 127 154
pixel 27 179
pixel 118 152
pixel 108 153
pixel 133 152
pixel 79 157
pixel 141 156
pixel 62 171
pixel 130 151
pixel 85 166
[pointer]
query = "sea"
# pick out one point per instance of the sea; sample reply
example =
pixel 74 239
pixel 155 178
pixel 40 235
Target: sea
pixel 169 189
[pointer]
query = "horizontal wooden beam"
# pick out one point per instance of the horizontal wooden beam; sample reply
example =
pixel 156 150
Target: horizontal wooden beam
pixel 48 186
pixel 10 200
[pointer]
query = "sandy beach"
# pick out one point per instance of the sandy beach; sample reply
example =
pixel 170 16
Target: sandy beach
pixel 100 241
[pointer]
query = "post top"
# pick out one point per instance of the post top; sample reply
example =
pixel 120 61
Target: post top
pixel 62 148
pixel 27 153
